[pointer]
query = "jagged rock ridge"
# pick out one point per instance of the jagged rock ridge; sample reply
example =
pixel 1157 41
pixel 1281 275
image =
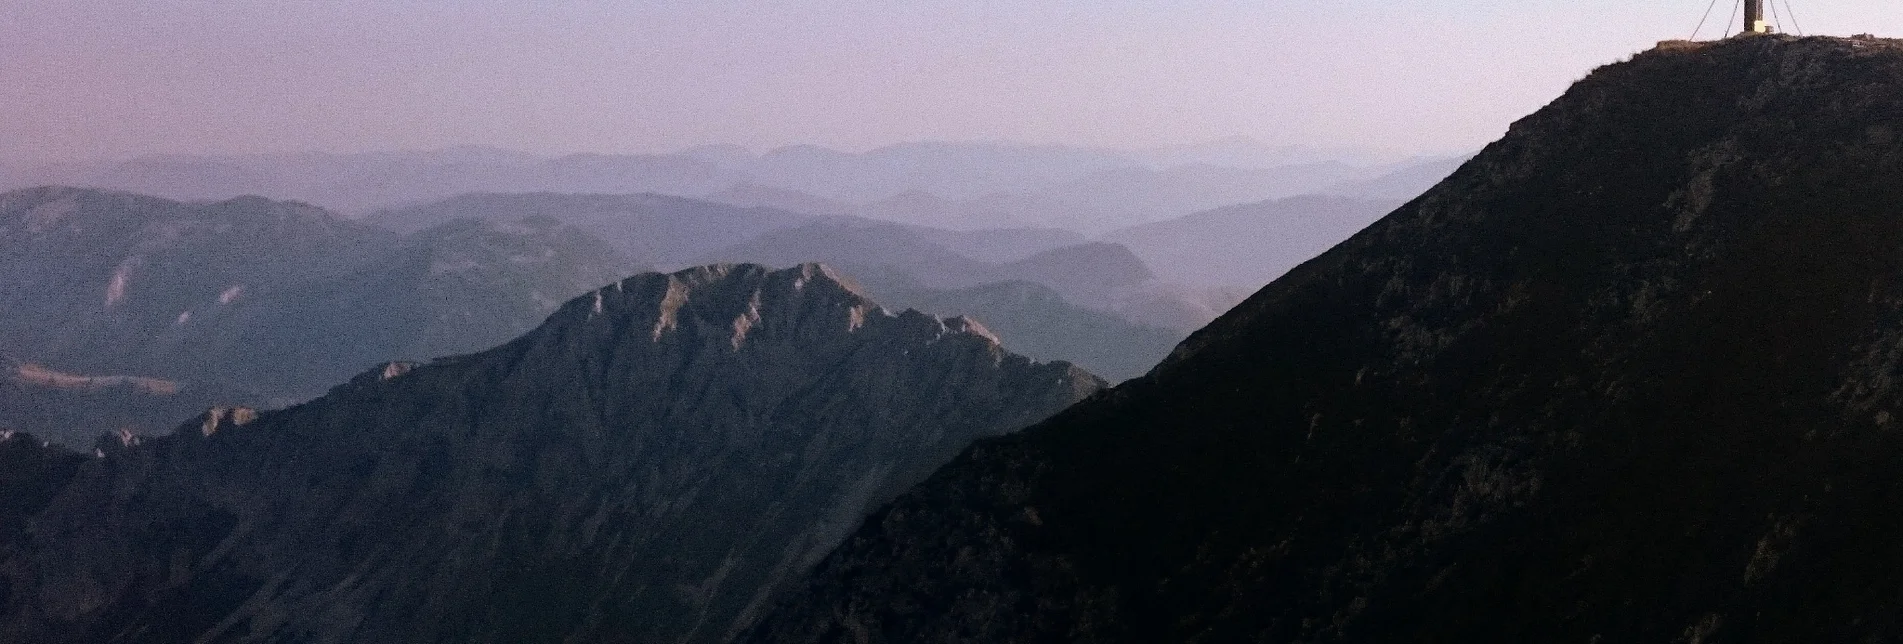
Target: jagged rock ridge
pixel 652 464
pixel 1628 375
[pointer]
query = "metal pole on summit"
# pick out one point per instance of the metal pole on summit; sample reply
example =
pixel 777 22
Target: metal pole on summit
pixel 1754 17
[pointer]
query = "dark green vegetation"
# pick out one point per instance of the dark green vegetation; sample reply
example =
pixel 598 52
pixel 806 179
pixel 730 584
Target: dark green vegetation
pixel 1629 375
pixel 655 463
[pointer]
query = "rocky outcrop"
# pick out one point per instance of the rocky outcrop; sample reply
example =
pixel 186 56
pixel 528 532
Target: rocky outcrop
pixel 1631 374
pixel 655 463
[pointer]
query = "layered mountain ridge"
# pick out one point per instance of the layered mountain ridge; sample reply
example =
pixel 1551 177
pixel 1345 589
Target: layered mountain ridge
pixel 248 301
pixel 1627 375
pixel 654 463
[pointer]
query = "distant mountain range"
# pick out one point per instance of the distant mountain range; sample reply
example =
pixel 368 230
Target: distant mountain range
pixel 1091 282
pixel 959 186
pixel 249 301
pixel 266 303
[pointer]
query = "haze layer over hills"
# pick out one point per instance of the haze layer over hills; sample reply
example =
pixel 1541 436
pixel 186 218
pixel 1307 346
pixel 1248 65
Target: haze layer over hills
pixel 960 186
pixel 1629 375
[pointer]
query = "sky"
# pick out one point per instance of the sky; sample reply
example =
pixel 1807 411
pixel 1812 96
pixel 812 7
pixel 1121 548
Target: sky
pixel 88 79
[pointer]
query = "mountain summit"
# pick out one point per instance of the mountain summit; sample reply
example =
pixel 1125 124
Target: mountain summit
pixel 1631 374
pixel 652 464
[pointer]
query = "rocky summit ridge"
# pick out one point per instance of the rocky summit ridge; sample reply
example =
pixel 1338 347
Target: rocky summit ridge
pixel 1630 374
pixel 654 463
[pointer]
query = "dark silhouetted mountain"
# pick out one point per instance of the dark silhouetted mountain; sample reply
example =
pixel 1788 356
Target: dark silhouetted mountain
pixel 1033 320
pixel 248 301
pixel 655 463
pixel 1629 375
pixel 31 473
pixel 1248 245
pixel 662 230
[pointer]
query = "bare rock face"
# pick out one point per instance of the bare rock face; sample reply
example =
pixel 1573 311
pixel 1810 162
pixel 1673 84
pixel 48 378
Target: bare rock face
pixel 655 463
pixel 1629 375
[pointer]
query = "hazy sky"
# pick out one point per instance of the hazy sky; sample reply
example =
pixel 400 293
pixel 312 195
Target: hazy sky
pixel 91 78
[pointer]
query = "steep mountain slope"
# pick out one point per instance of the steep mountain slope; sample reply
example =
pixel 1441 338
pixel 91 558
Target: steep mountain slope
pixel 1033 320
pixel 652 464
pixel 31 473
pixel 1628 375
pixel 1249 244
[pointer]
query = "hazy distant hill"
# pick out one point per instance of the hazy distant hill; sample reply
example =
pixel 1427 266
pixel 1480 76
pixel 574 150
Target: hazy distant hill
pixel 1248 245
pixel 747 194
pixel 864 249
pixel 359 183
pixel 1001 245
pixel 1092 274
pixel 658 229
pixel 455 288
pixel 885 256
pixel 661 461
pixel 945 185
pixel 1402 184
pixel 105 281
pixel 249 300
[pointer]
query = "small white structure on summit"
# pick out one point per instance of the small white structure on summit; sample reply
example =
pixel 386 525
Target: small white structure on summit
pixel 1754 17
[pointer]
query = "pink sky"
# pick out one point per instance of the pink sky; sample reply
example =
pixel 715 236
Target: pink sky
pixel 98 78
